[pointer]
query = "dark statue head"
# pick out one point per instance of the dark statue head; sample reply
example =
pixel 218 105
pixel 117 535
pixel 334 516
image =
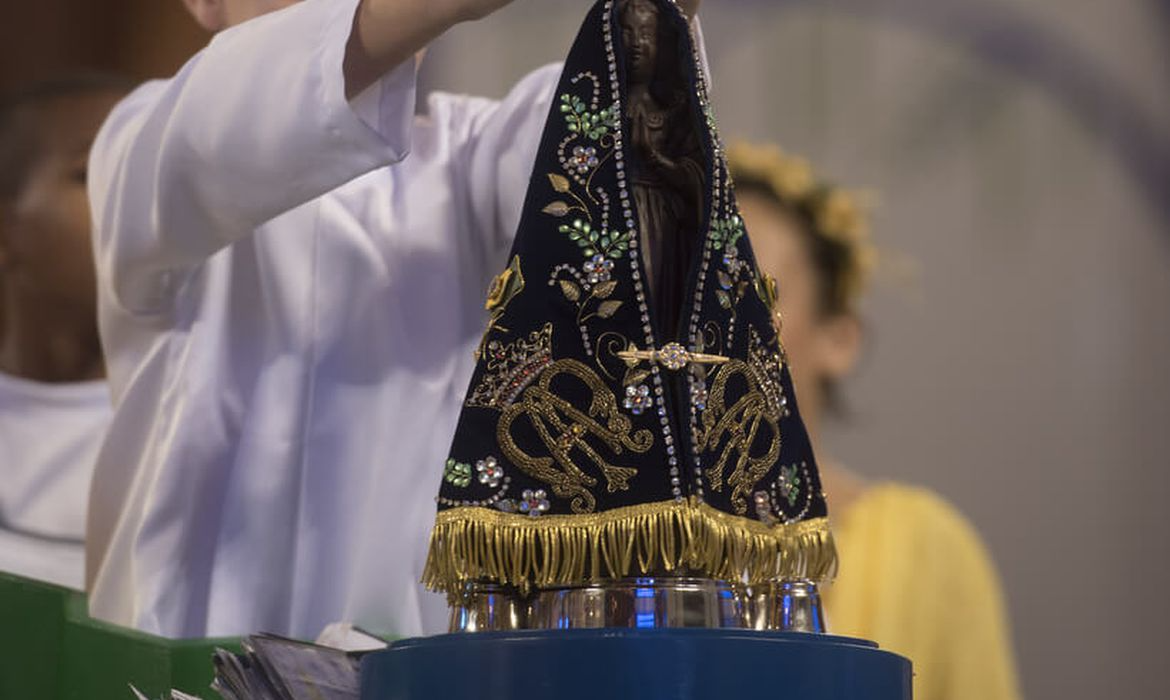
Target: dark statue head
pixel 652 43
pixel 640 35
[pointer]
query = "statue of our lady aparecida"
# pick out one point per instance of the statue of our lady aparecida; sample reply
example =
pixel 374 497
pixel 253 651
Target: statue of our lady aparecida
pixel 630 452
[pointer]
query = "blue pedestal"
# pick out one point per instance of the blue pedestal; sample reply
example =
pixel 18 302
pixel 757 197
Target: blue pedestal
pixel 642 664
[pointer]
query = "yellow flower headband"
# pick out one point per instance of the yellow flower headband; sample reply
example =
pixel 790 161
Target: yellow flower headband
pixel 839 216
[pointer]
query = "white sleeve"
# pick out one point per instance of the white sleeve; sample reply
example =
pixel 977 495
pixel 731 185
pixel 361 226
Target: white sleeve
pixel 254 125
pixel 502 140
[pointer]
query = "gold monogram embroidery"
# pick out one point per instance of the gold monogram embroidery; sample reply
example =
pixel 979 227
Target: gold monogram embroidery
pixel 565 429
pixel 753 421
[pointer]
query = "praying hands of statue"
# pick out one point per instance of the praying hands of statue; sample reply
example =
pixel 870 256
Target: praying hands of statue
pixel 668 168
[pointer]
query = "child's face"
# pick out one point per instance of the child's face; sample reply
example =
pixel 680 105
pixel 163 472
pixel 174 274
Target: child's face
pixel 46 236
pixel 821 346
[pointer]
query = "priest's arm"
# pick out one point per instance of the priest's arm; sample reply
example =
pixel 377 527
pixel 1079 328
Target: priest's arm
pixel 256 124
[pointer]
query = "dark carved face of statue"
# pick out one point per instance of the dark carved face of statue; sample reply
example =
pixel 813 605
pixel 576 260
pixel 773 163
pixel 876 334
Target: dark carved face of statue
pixel 640 36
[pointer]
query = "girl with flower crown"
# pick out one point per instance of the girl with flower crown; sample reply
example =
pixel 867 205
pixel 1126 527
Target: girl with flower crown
pixel 914 575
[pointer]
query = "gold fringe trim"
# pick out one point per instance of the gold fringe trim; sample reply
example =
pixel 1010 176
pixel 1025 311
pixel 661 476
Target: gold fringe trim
pixel 552 551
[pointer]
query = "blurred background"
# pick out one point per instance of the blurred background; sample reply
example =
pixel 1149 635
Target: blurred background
pixel 1019 331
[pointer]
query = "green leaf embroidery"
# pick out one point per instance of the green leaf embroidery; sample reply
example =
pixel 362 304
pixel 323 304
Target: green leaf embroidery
pixel 457 473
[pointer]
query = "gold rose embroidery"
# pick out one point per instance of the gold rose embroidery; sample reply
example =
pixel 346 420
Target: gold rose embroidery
pixel 504 288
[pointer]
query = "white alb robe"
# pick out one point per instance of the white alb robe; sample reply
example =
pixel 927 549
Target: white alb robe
pixel 289 306
pixel 49 438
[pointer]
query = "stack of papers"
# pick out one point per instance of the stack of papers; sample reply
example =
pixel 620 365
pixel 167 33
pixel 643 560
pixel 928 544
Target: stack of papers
pixel 278 668
pixel 275 668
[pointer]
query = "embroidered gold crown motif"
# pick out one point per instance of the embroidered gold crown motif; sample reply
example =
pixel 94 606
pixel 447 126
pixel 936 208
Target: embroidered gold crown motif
pixel 511 368
pixel 766 367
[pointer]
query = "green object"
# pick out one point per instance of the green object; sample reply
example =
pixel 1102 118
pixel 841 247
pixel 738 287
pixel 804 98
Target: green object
pixel 457 473
pixel 32 630
pixel 50 649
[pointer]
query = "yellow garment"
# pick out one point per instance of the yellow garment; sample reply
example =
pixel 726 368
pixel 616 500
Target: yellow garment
pixel 915 578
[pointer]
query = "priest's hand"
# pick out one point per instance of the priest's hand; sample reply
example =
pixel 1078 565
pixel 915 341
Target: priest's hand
pixel 387 33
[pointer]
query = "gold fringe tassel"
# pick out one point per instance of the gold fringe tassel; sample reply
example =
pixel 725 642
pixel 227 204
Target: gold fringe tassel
pixel 551 551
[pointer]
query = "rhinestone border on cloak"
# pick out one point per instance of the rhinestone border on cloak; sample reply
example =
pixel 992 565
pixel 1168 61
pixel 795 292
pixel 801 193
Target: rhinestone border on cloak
pixel 635 267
